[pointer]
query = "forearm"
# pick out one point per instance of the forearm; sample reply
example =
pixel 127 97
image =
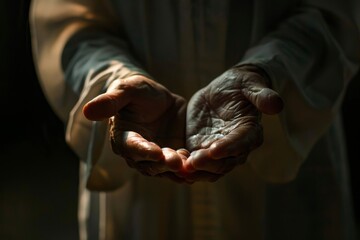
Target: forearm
pixel 310 65
pixel 72 70
pixel 92 51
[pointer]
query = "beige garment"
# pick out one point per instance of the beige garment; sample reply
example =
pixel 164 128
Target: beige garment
pixel 184 45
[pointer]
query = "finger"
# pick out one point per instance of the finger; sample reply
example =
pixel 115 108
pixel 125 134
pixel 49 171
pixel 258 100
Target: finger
pixel 184 153
pixel 238 143
pixel 106 105
pixel 149 168
pixel 172 160
pixel 256 87
pixel 133 146
pixel 202 161
pixel 197 160
pixel 267 101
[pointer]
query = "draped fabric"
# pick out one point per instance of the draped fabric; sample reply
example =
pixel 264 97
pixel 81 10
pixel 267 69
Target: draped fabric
pixel 295 186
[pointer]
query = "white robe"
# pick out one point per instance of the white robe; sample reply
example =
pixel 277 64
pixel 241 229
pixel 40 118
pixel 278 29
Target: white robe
pixel 295 186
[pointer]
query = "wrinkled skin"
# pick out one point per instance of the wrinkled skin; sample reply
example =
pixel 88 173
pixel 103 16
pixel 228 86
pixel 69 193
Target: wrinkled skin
pixel 147 124
pixel 223 124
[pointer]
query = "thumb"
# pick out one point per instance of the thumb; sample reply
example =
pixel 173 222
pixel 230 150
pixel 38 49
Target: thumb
pixel 106 105
pixel 265 99
pixel 256 89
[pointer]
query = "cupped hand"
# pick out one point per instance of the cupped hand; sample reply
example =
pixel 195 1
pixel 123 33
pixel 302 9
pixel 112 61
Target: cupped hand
pixel 224 122
pixel 147 124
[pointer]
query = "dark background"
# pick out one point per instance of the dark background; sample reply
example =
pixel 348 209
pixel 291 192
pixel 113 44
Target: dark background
pixel 39 173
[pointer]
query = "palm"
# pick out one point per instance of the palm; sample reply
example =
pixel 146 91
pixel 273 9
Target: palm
pixel 147 124
pixel 159 118
pixel 223 122
pixel 219 112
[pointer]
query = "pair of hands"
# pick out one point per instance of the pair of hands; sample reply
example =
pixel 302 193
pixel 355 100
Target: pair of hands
pixel 160 134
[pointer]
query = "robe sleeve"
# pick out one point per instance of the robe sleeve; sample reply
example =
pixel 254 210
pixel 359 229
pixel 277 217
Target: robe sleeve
pixel 76 58
pixel 310 58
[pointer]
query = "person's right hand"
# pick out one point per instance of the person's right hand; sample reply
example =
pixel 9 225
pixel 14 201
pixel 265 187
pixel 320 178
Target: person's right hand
pixel 147 124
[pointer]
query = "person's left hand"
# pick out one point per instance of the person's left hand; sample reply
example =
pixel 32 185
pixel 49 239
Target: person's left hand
pixel 224 122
